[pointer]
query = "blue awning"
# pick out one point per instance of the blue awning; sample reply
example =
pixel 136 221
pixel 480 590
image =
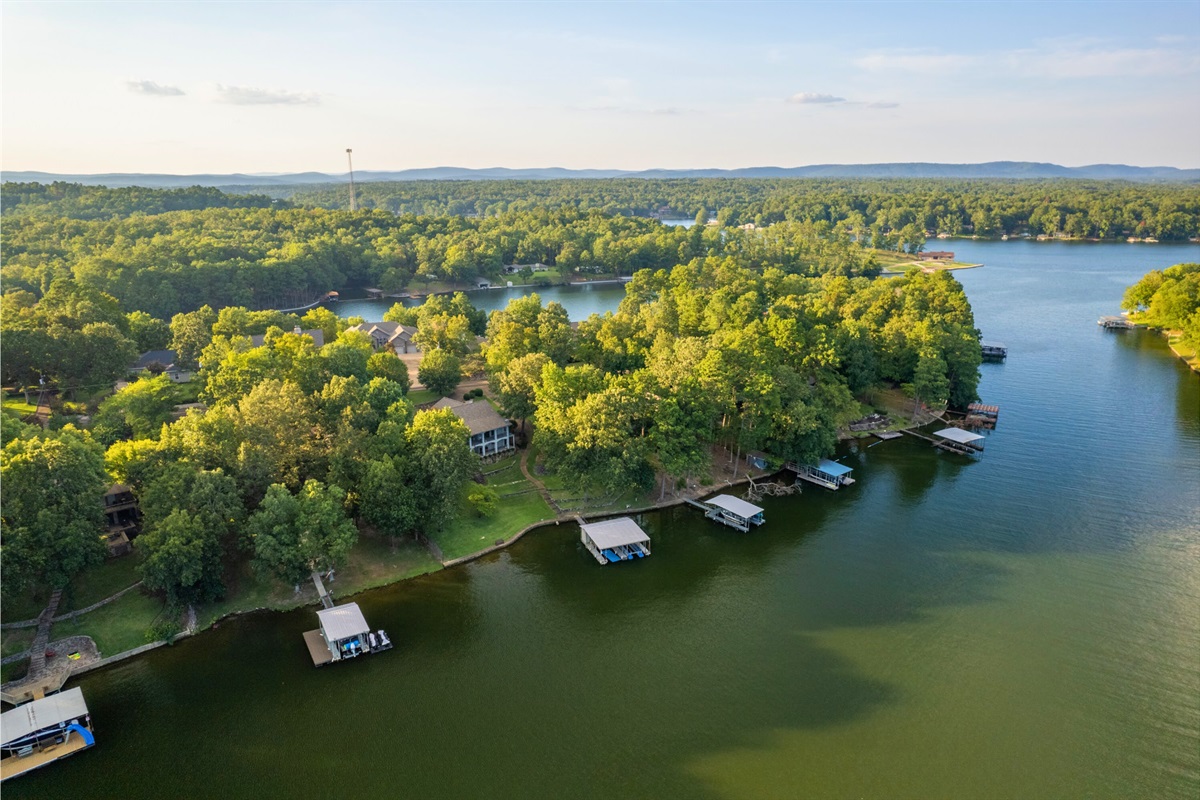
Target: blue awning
pixel 833 468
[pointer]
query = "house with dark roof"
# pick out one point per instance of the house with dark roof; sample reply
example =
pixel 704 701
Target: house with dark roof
pixel 157 362
pixel 389 333
pixel 490 432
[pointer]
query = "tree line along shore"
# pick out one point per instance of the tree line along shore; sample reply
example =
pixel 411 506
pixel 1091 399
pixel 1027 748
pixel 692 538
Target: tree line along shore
pixel 304 447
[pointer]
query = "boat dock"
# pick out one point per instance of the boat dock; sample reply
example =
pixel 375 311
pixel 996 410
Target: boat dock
pixel 43 731
pixel 1115 323
pixel 826 473
pixel 343 634
pixel 993 351
pixel 732 511
pixel 982 416
pixel 613 540
pixel 957 440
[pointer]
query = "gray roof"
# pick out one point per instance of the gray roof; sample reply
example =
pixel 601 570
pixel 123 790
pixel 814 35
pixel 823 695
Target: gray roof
pixel 342 622
pixel 614 532
pixel 164 357
pixel 957 435
pixel 389 330
pixel 45 713
pixel 735 505
pixel 478 416
pixel 316 334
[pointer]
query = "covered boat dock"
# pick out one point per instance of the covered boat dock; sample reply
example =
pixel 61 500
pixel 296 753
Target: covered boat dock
pixel 42 731
pixel 732 511
pixel 612 540
pixel 343 634
pixel 829 474
pixel 956 440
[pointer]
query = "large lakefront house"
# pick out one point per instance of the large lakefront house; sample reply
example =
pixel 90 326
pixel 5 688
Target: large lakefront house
pixel 490 433
pixel 389 333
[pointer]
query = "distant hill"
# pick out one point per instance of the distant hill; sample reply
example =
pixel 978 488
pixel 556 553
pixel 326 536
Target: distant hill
pixel 991 169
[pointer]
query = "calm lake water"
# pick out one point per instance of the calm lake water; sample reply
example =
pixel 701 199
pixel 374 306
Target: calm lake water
pixel 1025 625
pixel 580 300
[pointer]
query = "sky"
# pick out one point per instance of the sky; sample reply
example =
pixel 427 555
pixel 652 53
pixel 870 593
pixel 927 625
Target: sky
pixel 222 87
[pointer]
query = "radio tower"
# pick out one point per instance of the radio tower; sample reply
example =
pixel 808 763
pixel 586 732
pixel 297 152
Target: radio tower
pixel 350 161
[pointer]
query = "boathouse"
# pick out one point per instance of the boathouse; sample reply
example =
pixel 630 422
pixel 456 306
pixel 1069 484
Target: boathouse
pixel 993 351
pixel 734 512
pixel 829 474
pixel 42 731
pixel 343 634
pixel 956 440
pixel 1115 323
pixel 612 540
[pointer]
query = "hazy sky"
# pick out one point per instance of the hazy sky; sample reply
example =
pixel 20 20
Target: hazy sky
pixel 287 87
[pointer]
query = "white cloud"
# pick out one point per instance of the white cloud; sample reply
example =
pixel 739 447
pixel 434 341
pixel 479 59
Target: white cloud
pixel 152 88
pixel 806 98
pixel 245 96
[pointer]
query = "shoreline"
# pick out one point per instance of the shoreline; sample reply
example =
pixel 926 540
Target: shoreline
pixel 447 564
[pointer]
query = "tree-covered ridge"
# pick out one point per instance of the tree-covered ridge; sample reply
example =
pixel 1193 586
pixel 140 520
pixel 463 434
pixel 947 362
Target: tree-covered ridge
pixel 76 201
pixel 1078 208
pixel 174 262
pixel 1168 299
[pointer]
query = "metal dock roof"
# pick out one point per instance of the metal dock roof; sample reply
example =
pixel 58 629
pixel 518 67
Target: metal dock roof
pixel 734 505
pixel 44 713
pixel 342 622
pixel 958 435
pixel 614 532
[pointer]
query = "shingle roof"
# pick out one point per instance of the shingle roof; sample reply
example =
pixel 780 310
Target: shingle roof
pixel 164 357
pixel 478 416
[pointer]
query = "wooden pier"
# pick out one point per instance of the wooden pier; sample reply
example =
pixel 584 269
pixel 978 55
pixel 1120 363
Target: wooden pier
pixel 982 416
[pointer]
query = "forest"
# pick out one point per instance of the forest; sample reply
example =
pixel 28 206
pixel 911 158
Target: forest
pixel 759 339
pixel 875 210
pixel 1168 299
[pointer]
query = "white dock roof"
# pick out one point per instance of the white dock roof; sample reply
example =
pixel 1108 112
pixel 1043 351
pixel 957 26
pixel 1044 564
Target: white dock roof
pixel 614 532
pixel 342 622
pixel 734 505
pixel 45 713
pixel 957 435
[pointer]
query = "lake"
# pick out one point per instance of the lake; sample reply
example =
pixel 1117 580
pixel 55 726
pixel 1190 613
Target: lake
pixel 580 300
pixel 1023 625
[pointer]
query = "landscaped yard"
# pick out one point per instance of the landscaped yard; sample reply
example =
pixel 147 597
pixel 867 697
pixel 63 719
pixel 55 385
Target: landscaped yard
pixel 19 406
pixel 100 582
pixel 520 505
pixel 119 626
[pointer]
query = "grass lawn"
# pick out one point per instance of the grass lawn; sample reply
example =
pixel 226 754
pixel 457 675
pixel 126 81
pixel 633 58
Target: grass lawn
pixel 119 626
pixel 16 641
pixel 1190 357
pixel 27 606
pixel 102 581
pixel 469 533
pixel 372 563
pixel 419 396
pixel 19 406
